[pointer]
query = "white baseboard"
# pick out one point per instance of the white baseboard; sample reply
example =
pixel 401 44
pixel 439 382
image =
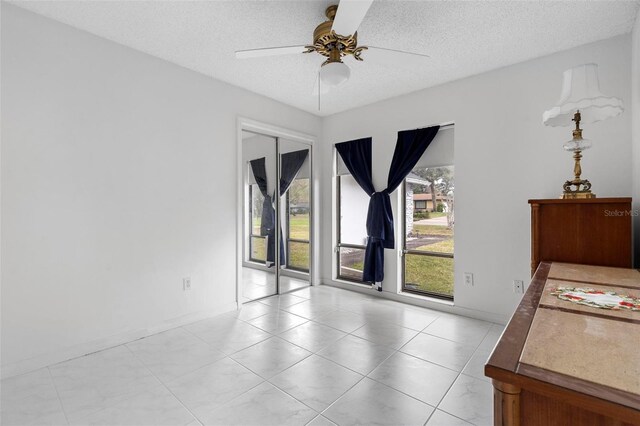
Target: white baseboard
pixel 424 302
pixel 31 364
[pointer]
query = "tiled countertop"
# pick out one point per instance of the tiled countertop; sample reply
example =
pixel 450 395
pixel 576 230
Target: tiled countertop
pixel 587 349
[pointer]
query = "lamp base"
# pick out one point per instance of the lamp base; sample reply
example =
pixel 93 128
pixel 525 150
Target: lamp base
pixel 582 189
pixel 577 195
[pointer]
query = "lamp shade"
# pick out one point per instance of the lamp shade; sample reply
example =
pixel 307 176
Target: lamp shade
pixel 581 91
pixel 334 73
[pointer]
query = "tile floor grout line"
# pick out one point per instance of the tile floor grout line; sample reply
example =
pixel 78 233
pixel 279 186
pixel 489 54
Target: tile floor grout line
pixel 349 368
pixel 186 372
pixel 363 376
pixel 55 387
pixel 449 389
pixel 473 354
pixel 352 308
pixel 253 344
pixel 339 398
pixel 237 396
pixel 295 303
pixel 429 418
pixel 404 353
pixel 193 334
pixel 457 417
pixel 284 340
pixel 395 351
pixel 455 341
pixel 433 362
pixel 459 373
pixel 296 344
pixel 291 396
pixel 245 392
pixel 447 392
pixel 113 403
pixel 452 415
pixel 398 390
pixel 319 415
pixel 163 384
pixel 429 361
pixel 236 351
pixel 262 382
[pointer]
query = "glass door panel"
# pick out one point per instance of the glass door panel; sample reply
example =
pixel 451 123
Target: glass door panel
pixel 259 275
pixel 295 214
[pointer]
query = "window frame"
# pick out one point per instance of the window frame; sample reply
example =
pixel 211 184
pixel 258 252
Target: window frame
pixel 250 258
pixel 404 252
pixel 339 244
pixel 295 240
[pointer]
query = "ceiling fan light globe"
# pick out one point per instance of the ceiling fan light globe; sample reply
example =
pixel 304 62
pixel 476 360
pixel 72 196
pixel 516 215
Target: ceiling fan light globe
pixel 334 73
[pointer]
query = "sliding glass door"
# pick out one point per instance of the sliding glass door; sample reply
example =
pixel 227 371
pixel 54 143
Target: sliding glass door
pixel 277 216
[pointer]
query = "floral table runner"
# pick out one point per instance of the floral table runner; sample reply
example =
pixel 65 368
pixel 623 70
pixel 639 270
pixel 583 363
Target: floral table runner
pixel 597 298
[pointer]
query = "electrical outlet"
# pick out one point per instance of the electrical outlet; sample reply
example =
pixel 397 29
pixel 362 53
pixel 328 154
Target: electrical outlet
pixel 186 284
pixel 518 286
pixel 468 279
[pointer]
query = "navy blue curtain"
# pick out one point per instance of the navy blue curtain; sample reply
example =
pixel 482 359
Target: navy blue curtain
pixel 267 221
pixel 290 165
pixel 356 155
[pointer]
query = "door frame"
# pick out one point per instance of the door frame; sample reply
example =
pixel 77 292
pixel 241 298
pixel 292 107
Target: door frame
pixel 250 125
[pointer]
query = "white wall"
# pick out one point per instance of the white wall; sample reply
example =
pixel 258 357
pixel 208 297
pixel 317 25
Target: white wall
pixel 118 180
pixel 503 157
pixel 117 169
pixel 635 111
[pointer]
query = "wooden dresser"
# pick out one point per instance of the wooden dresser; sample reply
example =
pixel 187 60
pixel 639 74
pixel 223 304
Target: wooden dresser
pixel 561 363
pixel 594 231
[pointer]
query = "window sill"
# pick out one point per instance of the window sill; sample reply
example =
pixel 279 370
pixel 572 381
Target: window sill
pixel 363 285
pixel 427 298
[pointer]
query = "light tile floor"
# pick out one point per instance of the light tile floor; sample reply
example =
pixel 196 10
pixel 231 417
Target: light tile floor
pixel 259 283
pixel 318 356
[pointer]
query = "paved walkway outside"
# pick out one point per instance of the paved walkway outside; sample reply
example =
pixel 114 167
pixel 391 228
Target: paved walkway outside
pixel 440 221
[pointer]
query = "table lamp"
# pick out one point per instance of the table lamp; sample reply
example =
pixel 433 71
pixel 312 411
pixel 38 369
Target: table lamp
pixel 582 99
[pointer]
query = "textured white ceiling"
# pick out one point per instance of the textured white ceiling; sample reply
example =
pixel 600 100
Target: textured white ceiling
pixel 462 37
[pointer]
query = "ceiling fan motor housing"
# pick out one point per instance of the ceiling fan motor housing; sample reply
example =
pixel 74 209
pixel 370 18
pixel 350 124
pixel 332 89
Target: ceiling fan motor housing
pixel 334 46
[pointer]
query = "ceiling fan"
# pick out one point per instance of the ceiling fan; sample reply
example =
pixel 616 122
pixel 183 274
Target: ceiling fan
pixel 329 41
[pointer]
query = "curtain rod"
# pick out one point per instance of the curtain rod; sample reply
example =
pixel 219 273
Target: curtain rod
pixel 442 126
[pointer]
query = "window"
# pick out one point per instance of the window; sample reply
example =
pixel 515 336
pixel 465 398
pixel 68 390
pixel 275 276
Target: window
pixel 257 243
pixel 428 237
pixel 428 249
pixel 297 199
pixel 352 233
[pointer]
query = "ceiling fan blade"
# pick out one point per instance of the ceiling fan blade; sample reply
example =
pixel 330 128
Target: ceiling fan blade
pixel 394 57
pixel 269 51
pixel 350 15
